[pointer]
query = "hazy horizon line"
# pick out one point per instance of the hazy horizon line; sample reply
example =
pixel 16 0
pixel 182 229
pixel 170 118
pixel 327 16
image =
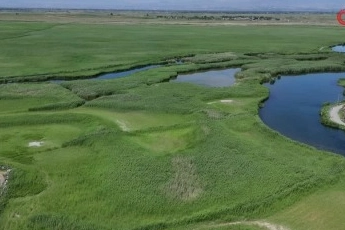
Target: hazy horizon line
pixel 171 10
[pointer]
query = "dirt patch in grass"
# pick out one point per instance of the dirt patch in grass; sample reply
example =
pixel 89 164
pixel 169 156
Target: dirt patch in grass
pixel 36 144
pixel 2 177
pixel 226 101
pixel 222 101
pixel 261 224
pixel 185 184
pixel 334 114
pixel 123 126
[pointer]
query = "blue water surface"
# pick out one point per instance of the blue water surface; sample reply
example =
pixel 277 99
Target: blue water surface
pixel 214 78
pixel 293 109
pixel 124 73
pixel 339 49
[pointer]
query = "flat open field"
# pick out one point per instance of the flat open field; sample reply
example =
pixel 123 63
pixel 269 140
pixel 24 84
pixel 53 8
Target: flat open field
pixel 141 152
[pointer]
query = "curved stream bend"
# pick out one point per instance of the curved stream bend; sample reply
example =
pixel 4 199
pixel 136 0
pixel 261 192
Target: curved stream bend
pixel 294 106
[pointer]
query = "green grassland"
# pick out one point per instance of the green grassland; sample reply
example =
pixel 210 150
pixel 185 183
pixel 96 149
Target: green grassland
pixel 48 50
pixel 35 97
pixel 144 153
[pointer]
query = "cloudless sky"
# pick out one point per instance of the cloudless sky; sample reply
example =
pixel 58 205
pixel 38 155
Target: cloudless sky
pixel 180 4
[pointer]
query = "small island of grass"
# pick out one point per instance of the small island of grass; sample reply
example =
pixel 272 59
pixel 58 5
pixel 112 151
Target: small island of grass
pixel 333 115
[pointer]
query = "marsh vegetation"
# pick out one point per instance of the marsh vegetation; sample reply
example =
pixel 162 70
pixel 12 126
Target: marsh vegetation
pixel 142 152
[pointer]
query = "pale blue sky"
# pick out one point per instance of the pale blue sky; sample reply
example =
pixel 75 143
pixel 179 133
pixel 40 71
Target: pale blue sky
pixel 181 4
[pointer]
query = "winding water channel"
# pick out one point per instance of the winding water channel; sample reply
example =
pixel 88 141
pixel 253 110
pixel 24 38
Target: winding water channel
pixel 294 106
pixel 114 75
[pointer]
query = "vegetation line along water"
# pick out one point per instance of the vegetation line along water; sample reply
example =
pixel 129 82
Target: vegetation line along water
pixel 123 73
pixel 113 75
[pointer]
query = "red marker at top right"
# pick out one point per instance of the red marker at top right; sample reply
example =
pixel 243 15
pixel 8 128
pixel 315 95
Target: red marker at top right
pixel 340 17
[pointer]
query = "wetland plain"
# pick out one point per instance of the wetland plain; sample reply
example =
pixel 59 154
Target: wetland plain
pixel 145 152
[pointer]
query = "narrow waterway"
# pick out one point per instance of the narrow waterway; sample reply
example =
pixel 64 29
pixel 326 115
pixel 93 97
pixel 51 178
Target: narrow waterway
pixel 114 75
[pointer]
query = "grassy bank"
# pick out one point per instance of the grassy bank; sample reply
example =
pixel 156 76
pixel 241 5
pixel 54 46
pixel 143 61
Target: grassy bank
pixel 144 153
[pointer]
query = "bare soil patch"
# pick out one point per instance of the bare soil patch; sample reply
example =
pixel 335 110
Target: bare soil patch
pixel 221 101
pixel 2 177
pixel 334 114
pixel 36 144
pixel 263 224
pixel 226 101
pixel 123 125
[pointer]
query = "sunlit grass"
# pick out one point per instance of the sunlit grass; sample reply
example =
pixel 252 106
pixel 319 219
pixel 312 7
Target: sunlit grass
pixel 145 153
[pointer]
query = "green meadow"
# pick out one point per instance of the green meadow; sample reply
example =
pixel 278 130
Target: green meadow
pixel 142 153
